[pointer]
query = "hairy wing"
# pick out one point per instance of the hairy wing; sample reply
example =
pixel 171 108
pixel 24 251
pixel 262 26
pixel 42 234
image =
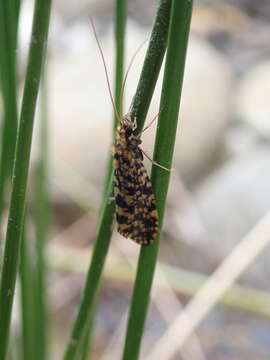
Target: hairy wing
pixel 145 222
pixel 136 212
pixel 124 189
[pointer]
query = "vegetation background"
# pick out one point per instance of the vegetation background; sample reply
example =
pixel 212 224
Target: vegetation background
pixel 210 298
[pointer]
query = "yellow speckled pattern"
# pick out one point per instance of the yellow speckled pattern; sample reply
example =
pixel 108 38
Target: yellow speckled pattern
pixel 136 212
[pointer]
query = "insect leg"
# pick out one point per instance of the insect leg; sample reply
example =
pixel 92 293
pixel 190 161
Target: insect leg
pixel 155 163
pixel 151 122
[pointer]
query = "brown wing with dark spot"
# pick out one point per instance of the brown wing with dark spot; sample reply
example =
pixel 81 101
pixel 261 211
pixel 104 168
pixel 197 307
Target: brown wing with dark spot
pixel 124 189
pixel 136 212
pixel 145 222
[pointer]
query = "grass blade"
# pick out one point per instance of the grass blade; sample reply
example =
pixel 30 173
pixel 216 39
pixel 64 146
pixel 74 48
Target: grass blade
pixel 120 29
pixel 93 278
pixel 20 172
pixel 144 91
pixel 152 64
pixel 8 35
pixel 32 263
pixel 164 145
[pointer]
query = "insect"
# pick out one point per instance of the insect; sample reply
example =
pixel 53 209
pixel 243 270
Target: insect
pixel 136 212
pixel 135 203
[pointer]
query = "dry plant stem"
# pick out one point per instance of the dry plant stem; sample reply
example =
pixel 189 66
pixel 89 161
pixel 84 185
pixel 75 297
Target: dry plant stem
pixel 167 309
pixel 210 293
pixel 20 172
pixel 153 63
pixel 77 189
pixel 164 145
pixel 182 281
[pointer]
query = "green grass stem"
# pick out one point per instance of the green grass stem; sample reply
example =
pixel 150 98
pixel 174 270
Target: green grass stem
pixel 21 166
pixel 84 352
pixel 8 35
pixel 120 32
pixel 85 348
pixel 164 145
pixel 120 29
pixel 153 63
pixel 93 278
pixel 32 264
pixel 119 35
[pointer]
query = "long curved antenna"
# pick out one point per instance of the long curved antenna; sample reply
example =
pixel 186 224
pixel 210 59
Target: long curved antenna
pixel 126 75
pixel 105 68
pixel 151 122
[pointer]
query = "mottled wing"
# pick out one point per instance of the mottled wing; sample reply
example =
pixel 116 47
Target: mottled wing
pixel 136 212
pixel 124 189
pixel 145 223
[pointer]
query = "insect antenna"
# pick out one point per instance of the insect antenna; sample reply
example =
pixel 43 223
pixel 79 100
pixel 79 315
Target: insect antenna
pixel 151 122
pixel 105 68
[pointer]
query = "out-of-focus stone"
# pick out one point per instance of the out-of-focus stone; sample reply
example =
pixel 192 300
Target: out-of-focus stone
pixel 253 98
pixel 205 108
pixel 81 112
pixel 233 200
pixel 204 111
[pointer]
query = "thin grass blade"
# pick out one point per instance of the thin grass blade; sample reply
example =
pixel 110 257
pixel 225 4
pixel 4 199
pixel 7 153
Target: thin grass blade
pixel 8 40
pixel 20 171
pixel 164 145
pixel 144 91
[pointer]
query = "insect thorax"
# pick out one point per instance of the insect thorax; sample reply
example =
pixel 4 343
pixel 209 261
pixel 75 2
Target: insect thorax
pixel 125 132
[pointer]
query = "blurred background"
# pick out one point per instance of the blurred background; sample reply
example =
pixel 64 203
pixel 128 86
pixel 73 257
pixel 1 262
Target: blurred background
pixel 219 187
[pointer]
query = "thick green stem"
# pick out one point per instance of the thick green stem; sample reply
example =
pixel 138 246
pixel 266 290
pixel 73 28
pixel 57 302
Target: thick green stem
pixel 20 171
pixel 164 145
